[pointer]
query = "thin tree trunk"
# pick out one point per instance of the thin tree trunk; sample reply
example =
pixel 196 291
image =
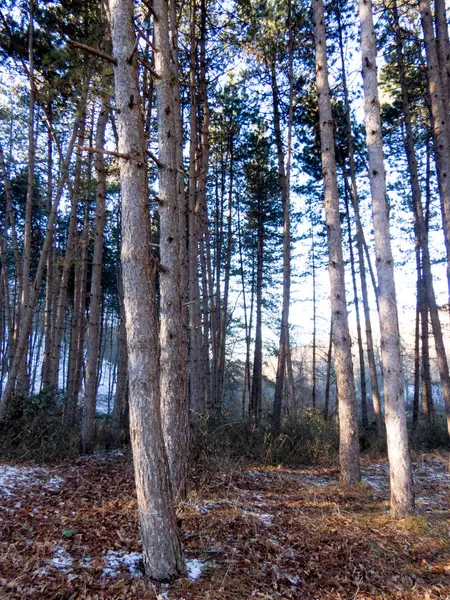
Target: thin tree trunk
pixel 26 251
pixel 402 495
pixel 163 559
pixel 20 351
pixel 416 398
pixel 421 229
pixel 173 361
pixel 314 340
pixel 284 178
pixel 425 373
pixel 362 366
pixel 49 279
pixel 60 323
pixel 361 246
pixel 226 285
pixel 348 419
pixel 256 393
pixel 90 396
pixel 441 128
pixel 326 407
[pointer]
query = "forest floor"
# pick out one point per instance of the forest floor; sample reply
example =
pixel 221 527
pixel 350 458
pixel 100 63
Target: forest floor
pixel 70 531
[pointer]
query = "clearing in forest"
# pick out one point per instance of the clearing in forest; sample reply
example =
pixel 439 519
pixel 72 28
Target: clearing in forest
pixel 70 531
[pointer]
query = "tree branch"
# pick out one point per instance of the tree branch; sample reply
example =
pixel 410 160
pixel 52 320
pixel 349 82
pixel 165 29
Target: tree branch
pixel 94 51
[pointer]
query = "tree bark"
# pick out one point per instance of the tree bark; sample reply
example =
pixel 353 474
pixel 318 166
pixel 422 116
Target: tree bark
pixel 402 496
pixel 163 559
pixel 361 246
pixel 348 420
pixel 173 361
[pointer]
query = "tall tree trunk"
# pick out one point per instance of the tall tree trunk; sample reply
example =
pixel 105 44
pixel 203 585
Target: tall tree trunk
pixel 26 252
pixel 194 230
pixel 256 393
pixel 441 127
pixel 61 304
pixel 163 559
pixel 348 419
pixel 49 278
pixel 90 395
pixel 443 47
pixel 226 285
pixel 425 373
pixel 326 407
pixel 173 361
pixel 416 397
pixel 15 246
pixel 421 228
pixel 22 343
pixel 361 246
pixel 362 366
pixel 314 340
pixel 402 496
pixel 284 178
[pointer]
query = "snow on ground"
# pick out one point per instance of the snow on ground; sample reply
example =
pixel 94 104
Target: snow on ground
pixel 12 478
pixel 195 567
pixel 114 560
pixel 62 559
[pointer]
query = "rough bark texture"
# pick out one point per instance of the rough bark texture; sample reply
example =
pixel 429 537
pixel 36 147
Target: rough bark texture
pixel 173 347
pixel 163 559
pixel 348 422
pixel 360 241
pixel 402 496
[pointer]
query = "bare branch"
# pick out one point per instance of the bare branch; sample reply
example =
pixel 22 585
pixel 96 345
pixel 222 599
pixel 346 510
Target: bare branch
pixel 102 151
pixel 94 51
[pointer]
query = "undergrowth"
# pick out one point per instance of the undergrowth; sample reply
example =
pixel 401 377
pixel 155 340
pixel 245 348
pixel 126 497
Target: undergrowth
pixel 429 434
pixel 306 440
pixel 33 429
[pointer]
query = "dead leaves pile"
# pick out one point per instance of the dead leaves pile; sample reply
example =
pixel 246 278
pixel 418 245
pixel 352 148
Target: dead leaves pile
pixel 259 532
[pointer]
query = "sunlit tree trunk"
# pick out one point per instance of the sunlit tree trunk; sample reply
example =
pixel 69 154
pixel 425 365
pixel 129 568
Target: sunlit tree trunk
pixel 402 496
pixel 162 553
pixel 361 246
pixel 348 421
pixel 173 364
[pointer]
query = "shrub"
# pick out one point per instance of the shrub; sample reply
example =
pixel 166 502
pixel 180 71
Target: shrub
pixel 33 428
pixel 306 440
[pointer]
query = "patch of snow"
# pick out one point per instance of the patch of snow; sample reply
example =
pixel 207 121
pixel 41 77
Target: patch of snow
pixel 195 567
pixel 206 507
pixel 12 477
pixel 265 518
pixel 116 559
pixel 54 483
pixel 62 560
